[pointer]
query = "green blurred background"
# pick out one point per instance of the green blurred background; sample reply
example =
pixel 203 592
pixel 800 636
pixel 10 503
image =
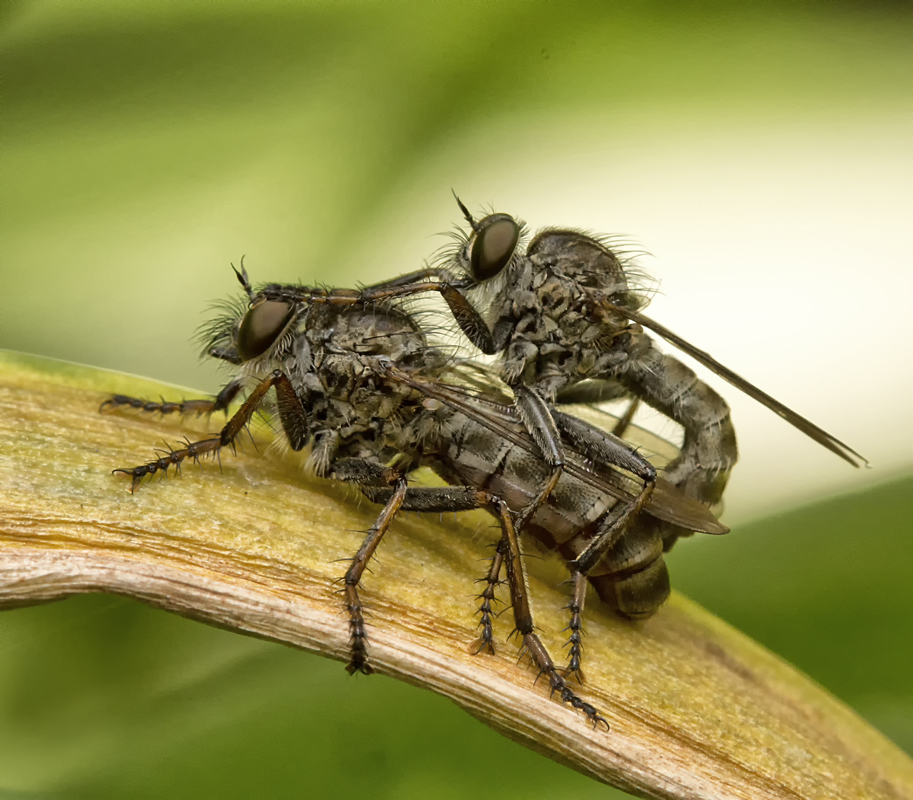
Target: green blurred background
pixel 761 153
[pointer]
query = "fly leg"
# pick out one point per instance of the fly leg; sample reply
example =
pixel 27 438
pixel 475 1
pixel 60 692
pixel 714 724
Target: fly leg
pixel 358 653
pixel 473 325
pixel 625 420
pixel 433 499
pixel 220 402
pixel 464 498
pixel 461 498
pixel 591 392
pixel 291 414
pixel 523 619
pixel 604 448
pixel 485 642
pixel 419 276
pixel 542 423
pixel 508 553
pixel 537 419
pixel 575 626
pixel 471 322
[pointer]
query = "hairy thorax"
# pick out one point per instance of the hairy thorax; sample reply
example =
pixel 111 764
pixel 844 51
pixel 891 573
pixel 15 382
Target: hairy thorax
pixel 560 338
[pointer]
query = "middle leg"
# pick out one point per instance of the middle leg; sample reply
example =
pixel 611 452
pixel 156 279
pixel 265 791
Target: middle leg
pixel 508 554
pixel 523 619
pixel 374 480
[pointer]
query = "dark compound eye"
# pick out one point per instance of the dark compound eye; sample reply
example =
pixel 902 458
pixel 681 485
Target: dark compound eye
pixel 261 326
pixel 495 241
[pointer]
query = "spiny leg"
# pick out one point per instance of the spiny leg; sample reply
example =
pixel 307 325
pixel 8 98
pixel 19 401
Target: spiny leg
pixel 575 626
pixel 603 448
pixel 537 419
pixel 291 413
pixel 507 553
pixel 434 499
pixel 523 619
pixel 402 498
pixel 611 529
pixel 220 402
pixel 485 642
pixel 358 652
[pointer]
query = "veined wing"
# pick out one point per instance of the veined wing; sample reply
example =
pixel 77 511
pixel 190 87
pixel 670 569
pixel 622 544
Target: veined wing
pixel 659 451
pixel 807 427
pixel 666 503
pixel 481 379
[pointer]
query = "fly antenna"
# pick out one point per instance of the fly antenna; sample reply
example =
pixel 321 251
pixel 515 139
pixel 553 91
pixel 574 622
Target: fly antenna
pixel 473 224
pixel 243 279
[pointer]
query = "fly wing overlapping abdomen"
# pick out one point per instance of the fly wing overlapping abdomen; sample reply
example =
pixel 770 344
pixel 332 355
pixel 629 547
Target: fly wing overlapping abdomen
pixel 807 427
pixel 500 423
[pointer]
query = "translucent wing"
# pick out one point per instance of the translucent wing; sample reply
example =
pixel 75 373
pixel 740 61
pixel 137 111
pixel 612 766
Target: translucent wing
pixel 667 503
pixel 658 450
pixel 806 426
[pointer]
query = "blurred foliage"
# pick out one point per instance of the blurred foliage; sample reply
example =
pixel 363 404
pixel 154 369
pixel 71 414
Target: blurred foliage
pixel 146 144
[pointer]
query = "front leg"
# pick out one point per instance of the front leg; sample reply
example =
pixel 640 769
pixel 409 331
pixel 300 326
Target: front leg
pixel 419 276
pixel 220 402
pixel 291 414
pixel 465 314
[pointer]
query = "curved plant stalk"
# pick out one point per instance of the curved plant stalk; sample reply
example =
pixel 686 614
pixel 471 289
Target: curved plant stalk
pixel 696 709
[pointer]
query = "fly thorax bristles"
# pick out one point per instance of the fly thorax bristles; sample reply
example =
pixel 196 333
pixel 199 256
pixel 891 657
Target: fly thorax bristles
pixel 428 426
pixel 520 363
pixel 579 257
pixel 508 293
pixel 323 453
pixel 376 332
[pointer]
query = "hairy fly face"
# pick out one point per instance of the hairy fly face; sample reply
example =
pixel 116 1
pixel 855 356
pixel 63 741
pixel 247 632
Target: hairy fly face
pixel 260 331
pixel 505 273
pixel 492 248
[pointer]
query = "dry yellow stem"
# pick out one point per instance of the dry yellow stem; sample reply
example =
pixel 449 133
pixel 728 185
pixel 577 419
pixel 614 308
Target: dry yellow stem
pixel 696 709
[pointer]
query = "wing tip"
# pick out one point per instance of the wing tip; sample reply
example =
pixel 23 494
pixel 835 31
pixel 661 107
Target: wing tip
pixel 848 454
pixel 719 529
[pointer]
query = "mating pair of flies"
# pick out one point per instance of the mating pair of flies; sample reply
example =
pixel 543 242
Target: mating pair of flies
pixel 356 378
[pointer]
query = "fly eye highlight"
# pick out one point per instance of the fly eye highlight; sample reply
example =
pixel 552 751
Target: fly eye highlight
pixel 262 324
pixel 495 240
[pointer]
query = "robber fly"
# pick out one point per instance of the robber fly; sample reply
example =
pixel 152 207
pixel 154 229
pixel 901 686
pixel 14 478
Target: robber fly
pixel 357 381
pixel 566 321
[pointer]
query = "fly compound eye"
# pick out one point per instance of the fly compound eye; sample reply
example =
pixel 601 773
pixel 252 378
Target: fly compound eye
pixel 261 326
pixel 495 241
